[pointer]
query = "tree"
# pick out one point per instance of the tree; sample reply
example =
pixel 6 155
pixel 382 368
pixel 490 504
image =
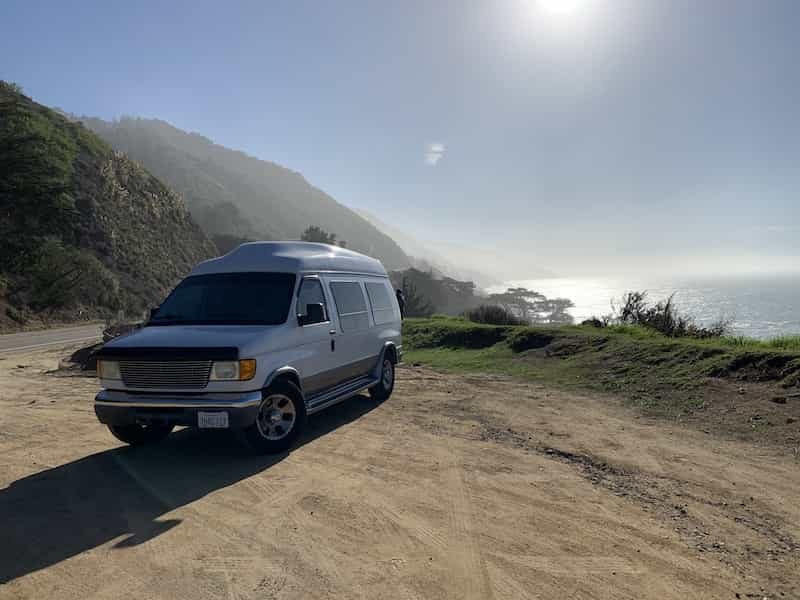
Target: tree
pixel 533 307
pixel 14 87
pixel 555 310
pixel 445 295
pixel 314 233
pixel 416 304
pixel 521 301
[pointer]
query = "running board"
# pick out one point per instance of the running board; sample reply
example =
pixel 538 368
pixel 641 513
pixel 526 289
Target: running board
pixel 339 393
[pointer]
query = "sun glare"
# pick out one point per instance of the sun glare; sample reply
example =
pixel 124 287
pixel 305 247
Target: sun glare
pixel 560 8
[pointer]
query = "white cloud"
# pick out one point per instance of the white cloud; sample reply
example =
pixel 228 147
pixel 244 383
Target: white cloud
pixel 433 153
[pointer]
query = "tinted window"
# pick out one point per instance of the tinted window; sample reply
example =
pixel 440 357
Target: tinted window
pixel 311 293
pixel 350 305
pixel 382 307
pixel 228 299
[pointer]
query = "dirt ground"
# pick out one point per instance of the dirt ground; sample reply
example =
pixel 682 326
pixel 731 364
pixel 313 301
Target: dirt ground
pixel 457 487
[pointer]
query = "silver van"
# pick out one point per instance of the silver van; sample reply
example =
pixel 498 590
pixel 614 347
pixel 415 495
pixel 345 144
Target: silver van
pixel 255 340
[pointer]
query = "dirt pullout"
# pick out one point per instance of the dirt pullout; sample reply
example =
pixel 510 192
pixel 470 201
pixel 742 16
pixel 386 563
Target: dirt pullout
pixel 457 487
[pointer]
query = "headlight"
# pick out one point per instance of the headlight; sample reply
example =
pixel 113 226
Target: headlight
pixel 232 370
pixel 108 369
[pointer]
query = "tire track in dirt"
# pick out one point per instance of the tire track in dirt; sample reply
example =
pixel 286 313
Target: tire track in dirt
pixel 348 503
pixel 471 575
pixel 399 529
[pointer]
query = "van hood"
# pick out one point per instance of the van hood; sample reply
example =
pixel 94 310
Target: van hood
pixel 218 342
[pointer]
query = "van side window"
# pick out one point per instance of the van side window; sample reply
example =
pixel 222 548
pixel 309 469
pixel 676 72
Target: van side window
pixel 311 293
pixel 382 309
pixel 350 305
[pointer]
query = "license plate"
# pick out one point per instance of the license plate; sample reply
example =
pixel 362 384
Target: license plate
pixel 212 420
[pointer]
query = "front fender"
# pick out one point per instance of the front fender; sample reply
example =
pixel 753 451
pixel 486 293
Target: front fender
pixel 291 372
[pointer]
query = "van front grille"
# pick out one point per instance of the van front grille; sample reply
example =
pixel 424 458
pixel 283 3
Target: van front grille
pixel 185 374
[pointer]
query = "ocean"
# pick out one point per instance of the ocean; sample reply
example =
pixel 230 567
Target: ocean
pixel 759 306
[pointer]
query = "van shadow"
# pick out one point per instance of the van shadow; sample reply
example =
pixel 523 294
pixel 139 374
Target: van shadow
pixel 58 513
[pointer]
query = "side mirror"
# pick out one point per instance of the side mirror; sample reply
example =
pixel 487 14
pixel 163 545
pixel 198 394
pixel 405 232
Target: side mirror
pixel 152 312
pixel 315 313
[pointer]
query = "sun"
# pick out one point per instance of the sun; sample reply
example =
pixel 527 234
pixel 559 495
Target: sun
pixel 560 8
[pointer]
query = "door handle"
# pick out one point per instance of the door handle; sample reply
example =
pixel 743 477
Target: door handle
pixel 332 332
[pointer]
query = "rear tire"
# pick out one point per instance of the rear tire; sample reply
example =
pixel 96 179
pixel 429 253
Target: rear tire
pixel 139 435
pixel 280 420
pixel 383 389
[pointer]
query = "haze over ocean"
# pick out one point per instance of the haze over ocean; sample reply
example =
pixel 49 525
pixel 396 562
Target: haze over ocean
pixel 760 306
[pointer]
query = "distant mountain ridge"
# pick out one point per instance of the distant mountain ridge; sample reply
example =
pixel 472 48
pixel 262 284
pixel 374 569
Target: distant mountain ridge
pixel 82 227
pixel 231 193
pixel 426 259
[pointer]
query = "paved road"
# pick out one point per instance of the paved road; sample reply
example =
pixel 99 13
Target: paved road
pixel 29 340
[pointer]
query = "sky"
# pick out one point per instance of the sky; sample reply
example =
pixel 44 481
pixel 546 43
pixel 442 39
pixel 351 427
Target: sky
pixel 576 136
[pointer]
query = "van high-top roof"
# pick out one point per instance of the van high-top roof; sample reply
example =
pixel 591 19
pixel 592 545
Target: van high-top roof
pixel 290 257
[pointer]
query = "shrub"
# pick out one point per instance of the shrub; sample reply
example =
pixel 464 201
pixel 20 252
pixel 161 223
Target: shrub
pixel 493 314
pixel 529 338
pixel 64 277
pixel 663 316
pixel 593 322
pixel 451 333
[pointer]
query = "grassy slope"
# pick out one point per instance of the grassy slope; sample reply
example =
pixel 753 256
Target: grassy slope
pixel 661 375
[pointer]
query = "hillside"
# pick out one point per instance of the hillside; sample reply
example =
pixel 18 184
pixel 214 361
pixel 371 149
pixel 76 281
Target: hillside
pixel 425 258
pixel 231 193
pixel 83 227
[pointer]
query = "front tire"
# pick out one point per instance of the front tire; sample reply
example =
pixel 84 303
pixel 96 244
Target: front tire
pixel 383 389
pixel 140 435
pixel 280 419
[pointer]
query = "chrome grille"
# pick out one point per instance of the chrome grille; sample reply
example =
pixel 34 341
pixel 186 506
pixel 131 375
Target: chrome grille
pixel 189 374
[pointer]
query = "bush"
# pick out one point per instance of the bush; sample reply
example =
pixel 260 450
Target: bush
pixel 593 322
pixel 493 314
pixel 65 277
pixel 451 333
pixel 663 316
pixel 529 338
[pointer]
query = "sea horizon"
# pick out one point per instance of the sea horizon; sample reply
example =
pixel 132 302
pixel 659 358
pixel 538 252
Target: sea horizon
pixel 761 306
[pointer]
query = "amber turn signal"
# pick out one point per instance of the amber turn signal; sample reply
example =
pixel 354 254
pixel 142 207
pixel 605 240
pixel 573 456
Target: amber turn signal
pixel 247 369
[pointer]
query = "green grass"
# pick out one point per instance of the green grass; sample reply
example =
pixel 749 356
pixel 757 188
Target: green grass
pixel 786 342
pixel 661 374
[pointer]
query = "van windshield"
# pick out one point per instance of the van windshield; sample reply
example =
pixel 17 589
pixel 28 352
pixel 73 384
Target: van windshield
pixel 228 299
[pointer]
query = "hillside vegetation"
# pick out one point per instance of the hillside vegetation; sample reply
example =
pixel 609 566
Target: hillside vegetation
pixel 82 227
pixel 232 194
pixel 628 352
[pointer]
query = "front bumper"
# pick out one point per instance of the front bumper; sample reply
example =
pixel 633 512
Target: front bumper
pixel 114 407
